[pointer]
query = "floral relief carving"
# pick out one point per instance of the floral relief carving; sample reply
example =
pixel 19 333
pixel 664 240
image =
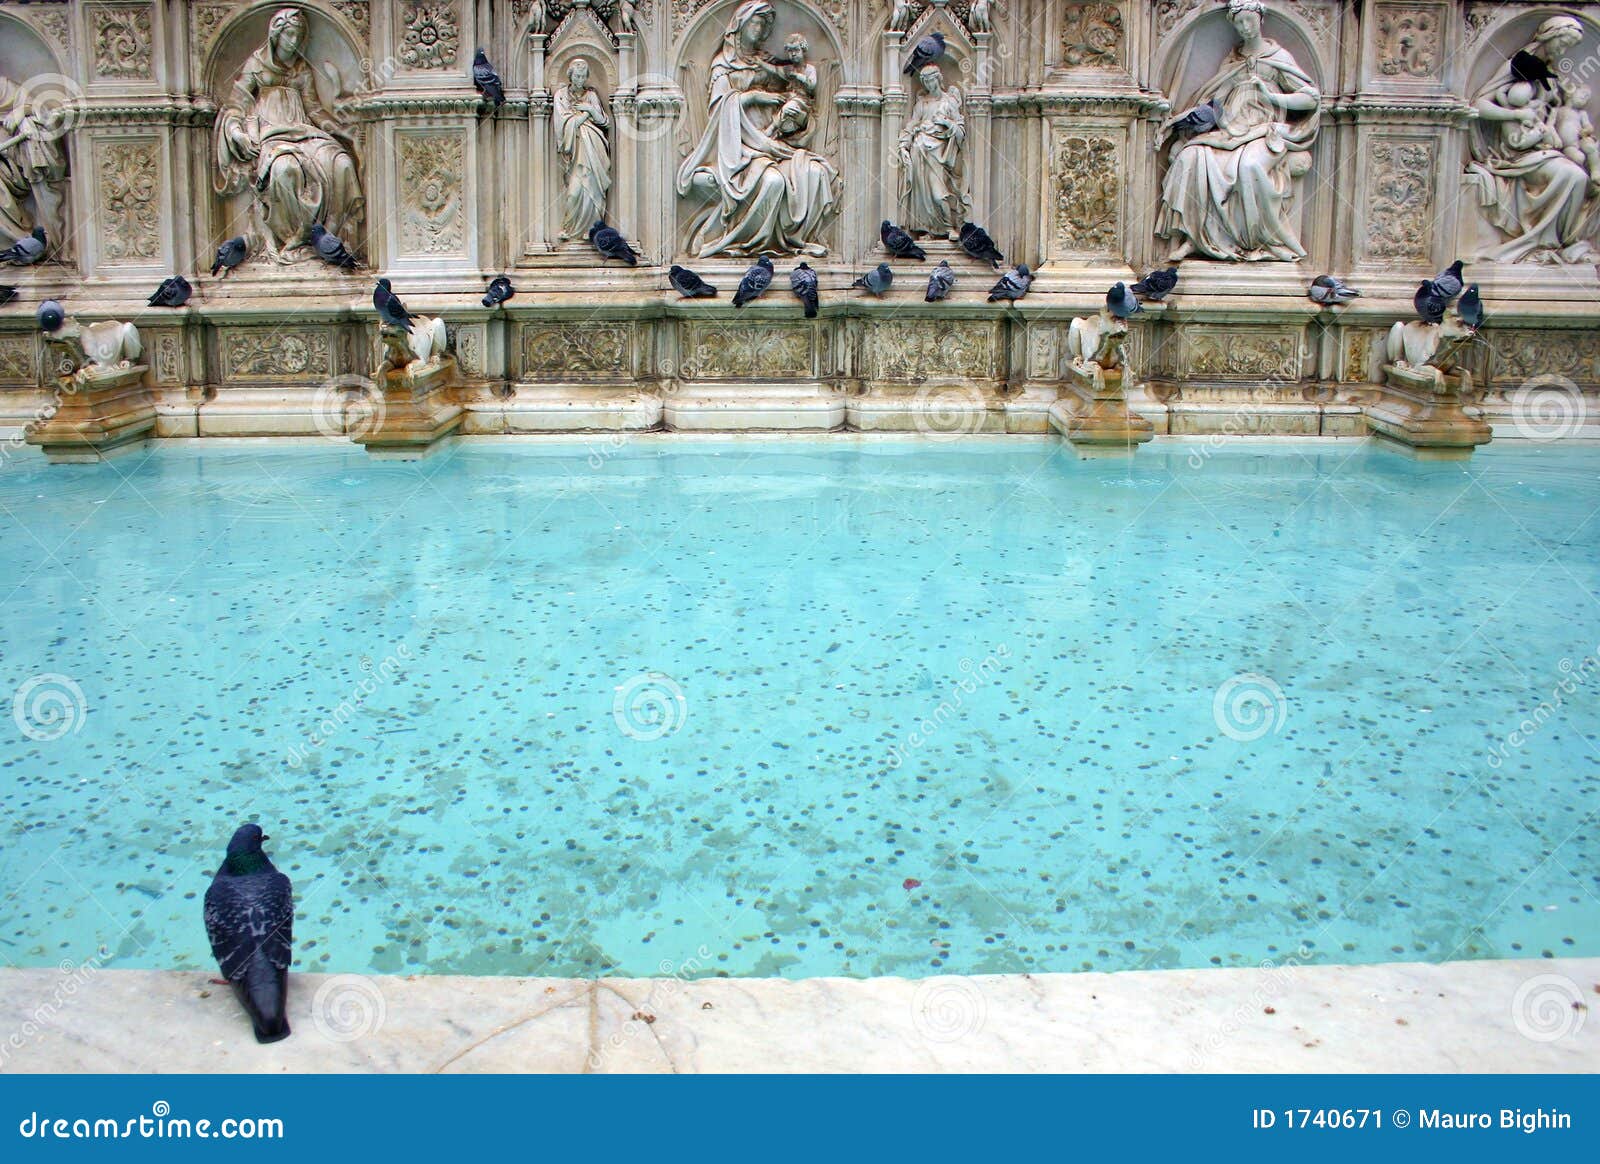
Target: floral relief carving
pixel 16 360
pixel 357 13
pixel 1521 355
pixel 1092 35
pixel 914 351
pixel 1409 41
pixel 206 20
pixel 1086 186
pixel 56 26
pixel 718 350
pixel 469 349
pixel 567 349
pixel 121 38
pixel 130 215
pixel 167 347
pixel 432 216
pixel 1400 188
pixel 1043 351
pixel 431 36
pixel 266 354
pixel 1357 351
pixel 1170 12
pixel 1271 354
pixel 1479 17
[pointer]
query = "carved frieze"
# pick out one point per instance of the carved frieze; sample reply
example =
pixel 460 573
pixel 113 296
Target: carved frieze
pixel 167 349
pixel 129 179
pixel 1410 41
pixel 1521 354
pixel 719 351
pixel 1085 191
pixel 1092 34
pixel 576 349
pixel 1169 13
pixel 906 350
pixel 430 35
pixel 17 366
pixel 120 38
pixel 1258 353
pixel 268 355
pixel 432 207
pixel 1044 350
pixel 469 348
pixel 1400 208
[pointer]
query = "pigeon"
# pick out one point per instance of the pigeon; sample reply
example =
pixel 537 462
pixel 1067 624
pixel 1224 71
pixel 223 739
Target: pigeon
pixel 900 244
pixel 755 282
pixel 803 282
pixel 1156 285
pixel 1121 303
pixel 7 294
pixel 1200 119
pixel 1330 290
pixel 876 280
pixel 230 254
pixel 1013 284
pixel 611 245
pixel 940 280
pixel 27 250
pixel 486 81
pixel 249 914
pixel 330 248
pixel 1448 281
pixel 173 292
pixel 1529 69
pixel 691 286
pixel 977 243
pixel 1470 309
pixel 500 289
pixel 1430 304
pixel 927 50
pixel 390 309
pixel 51 316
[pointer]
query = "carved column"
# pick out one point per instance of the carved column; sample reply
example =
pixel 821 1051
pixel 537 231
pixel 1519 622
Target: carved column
pixel 536 169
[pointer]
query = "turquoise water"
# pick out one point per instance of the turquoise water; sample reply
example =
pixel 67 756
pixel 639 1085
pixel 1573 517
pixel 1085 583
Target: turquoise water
pixel 675 707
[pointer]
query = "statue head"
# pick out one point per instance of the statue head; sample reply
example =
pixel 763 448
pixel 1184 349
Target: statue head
pixel 578 74
pixel 1558 34
pixel 750 26
pixel 796 48
pixel 932 78
pixel 1245 16
pixel 286 34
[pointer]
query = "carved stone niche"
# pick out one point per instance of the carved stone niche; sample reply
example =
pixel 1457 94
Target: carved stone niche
pixel 34 179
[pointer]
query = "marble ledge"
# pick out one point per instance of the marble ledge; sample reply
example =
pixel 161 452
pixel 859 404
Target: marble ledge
pixel 1398 1017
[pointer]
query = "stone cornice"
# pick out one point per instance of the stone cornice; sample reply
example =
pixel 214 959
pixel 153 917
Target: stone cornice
pixel 168 111
pixel 377 106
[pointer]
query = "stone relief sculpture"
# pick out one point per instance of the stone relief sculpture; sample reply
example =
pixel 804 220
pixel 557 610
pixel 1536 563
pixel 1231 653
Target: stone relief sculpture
pixel 1227 191
pixel 33 170
pixel 578 119
pixel 275 139
pixel 769 194
pixel 1535 167
pixel 932 145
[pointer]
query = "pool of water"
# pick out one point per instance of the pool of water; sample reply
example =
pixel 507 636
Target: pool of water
pixel 806 707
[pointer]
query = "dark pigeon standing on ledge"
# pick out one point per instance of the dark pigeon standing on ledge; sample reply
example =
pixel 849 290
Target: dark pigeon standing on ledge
pixel 1121 303
pixel 1013 284
pixel 940 280
pixel 1470 309
pixel 1157 284
pixel 50 316
pixel 691 286
pixel 390 309
pixel 7 294
pixel 486 80
pixel 900 244
pixel 230 254
pixel 331 248
pixel 1429 303
pixel 1331 290
pixel 500 289
pixel 977 243
pixel 755 282
pixel 877 280
pixel 249 914
pixel 611 244
pixel 928 49
pixel 173 292
pixel 803 282
pixel 27 250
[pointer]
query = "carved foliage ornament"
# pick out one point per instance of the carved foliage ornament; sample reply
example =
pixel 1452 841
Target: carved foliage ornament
pixel 1086 191
pixel 1401 207
pixel 16 360
pixel 1522 355
pixel 121 41
pixel 916 351
pixel 130 215
pixel 718 350
pixel 431 38
pixel 567 349
pixel 1409 41
pixel 1271 354
pixel 266 354
pixel 432 166
pixel 1092 35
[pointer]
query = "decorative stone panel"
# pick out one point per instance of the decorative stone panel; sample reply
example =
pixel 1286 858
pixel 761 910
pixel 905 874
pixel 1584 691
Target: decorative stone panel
pixel 1092 36
pixel 430 36
pixel 906 350
pixel 432 194
pixel 1408 41
pixel 753 351
pixel 270 355
pixel 121 41
pixel 1401 175
pixel 128 201
pixel 1215 352
pixel 1085 192
pixel 1518 355
pixel 18 365
pixel 576 350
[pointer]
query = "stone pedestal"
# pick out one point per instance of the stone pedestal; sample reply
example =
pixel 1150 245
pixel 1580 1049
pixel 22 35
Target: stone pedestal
pixel 99 412
pixel 1421 411
pixel 754 407
pixel 1093 413
pixel 415 411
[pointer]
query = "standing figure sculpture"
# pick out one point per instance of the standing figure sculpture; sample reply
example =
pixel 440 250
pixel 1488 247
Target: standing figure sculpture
pixel 1228 191
pixel 275 139
pixel 579 121
pixel 33 169
pixel 931 167
pixel 1535 168
pixel 769 194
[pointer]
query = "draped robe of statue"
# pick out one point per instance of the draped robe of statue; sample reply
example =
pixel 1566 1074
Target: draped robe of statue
pixel 275 138
pixel 1227 191
pixel 769 196
pixel 1542 200
pixel 579 121
pixel 931 199
pixel 33 167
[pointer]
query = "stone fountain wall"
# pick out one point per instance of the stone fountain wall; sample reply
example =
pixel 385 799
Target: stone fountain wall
pixel 1062 103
